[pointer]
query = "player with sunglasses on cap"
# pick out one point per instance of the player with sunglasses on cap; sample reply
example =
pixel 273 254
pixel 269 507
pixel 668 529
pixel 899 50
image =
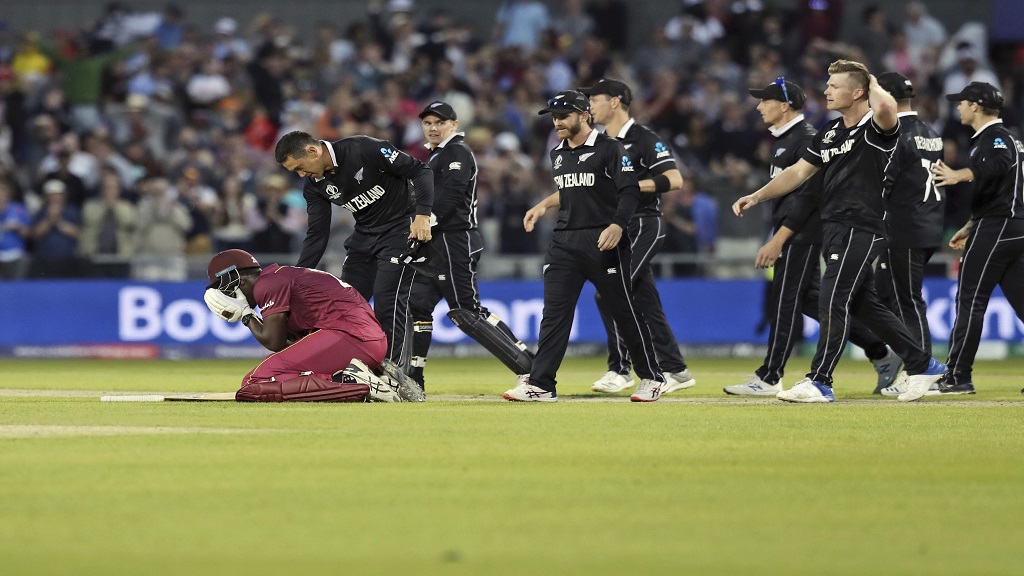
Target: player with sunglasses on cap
pixel 795 250
pixel 597 195
pixel 851 152
pixel 325 340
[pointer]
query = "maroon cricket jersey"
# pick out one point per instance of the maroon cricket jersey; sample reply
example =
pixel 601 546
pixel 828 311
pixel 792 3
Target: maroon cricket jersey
pixel 315 300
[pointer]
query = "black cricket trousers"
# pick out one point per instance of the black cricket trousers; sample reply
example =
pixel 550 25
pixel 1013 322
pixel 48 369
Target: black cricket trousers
pixel 646 237
pixel 994 254
pixel 572 259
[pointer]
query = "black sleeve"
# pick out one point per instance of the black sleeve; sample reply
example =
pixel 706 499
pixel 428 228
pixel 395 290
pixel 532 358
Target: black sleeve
pixel 391 160
pixel 456 171
pixel 623 173
pixel 813 153
pixel 804 204
pixel 657 157
pixel 885 141
pixel 992 159
pixel 318 229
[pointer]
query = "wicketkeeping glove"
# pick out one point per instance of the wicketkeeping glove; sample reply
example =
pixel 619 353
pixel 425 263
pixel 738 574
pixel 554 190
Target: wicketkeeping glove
pixel 228 308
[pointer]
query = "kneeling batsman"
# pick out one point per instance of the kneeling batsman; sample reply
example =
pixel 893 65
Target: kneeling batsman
pixel 327 344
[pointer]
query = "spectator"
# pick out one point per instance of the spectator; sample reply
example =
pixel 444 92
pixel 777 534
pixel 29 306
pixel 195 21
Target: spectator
pixel 201 202
pixel 14 227
pixel 571 27
pixel 74 188
pixel 278 221
pixel 163 223
pixel 235 217
pixel 55 231
pixel 922 29
pixel 611 22
pixel 108 228
pixel 520 23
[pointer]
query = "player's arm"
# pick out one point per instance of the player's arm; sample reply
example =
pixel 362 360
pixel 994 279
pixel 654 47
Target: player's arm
pixel 422 178
pixel 787 181
pixel 883 105
pixel 318 228
pixel 772 249
pixel 671 179
pixel 959 240
pixel 271 332
pixel 534 214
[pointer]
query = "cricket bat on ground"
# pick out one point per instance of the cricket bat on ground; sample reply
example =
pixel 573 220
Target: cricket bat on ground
pixel 199 397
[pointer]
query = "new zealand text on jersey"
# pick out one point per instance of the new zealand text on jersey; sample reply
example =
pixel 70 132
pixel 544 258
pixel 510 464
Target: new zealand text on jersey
pixel 364 199
pixel 843 148
pixel 574 179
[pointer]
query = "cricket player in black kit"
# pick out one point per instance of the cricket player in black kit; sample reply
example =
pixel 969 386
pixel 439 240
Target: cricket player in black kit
pixel 993 239
pixel 656 173
pixel 914 214
pixel 795 250
pixel 370 178
pixel 597 195
pixel 458 244
pixel 852 151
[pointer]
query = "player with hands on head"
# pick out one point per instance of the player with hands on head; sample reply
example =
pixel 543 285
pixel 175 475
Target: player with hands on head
pixel 794 250
pixel 457 244
pixel 656 173
pixel 993 239
pixel 597 195
pixel 370 178
pixel 852 152
pixel 325 340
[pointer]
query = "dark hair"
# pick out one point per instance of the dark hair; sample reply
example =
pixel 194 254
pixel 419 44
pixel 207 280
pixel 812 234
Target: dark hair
pixel 990 111
pixel 292 145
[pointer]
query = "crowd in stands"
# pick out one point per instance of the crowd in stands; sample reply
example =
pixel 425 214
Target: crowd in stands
pixel 146 137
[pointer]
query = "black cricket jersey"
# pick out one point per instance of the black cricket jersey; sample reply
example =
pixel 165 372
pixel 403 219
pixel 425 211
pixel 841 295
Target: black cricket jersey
pixel 853 161
pixel 650 156
pixel 596 183
pixel 791 142
pixel 455 177
pixel 998 175
pixel 915 207
pixel 371 180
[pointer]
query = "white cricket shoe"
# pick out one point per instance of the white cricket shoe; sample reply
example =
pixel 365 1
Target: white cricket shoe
pixel 613 382
pixel 647 391
pixel 381 389
pixel 526 392
pixel 678 381
pixel 807 391
pixel 408 389
pixel 918 384
pixel 900 386
pixel 888 369
pixel 754 387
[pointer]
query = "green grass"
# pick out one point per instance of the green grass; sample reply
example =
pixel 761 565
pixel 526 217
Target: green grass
pixel 489 488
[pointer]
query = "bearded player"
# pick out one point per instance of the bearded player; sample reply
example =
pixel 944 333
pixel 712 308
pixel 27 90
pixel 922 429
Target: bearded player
pixel 324 337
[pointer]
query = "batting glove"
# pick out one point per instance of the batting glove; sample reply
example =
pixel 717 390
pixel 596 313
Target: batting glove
pixel 228 308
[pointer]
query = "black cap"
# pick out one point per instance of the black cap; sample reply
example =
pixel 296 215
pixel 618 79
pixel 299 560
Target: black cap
pixel 613 88
pixel 567 101
pixel 442 110
pixel 792 94
pixel 896 84
pixel 981 93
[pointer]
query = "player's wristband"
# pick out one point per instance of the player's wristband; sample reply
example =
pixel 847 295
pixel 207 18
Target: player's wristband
pixel 247 318
pixel 661 184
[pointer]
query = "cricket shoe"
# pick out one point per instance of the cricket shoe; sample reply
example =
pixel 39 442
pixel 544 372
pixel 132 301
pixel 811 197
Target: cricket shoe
pixel 357 372
pixel 918 384
pixel 613 382
pixel 888 368
pixel 678 381
pixel 647 391
pixel 808 391
pixel 947 388
pixel 899 386
pixel 754 387
pixel 407 388
pixel 526 392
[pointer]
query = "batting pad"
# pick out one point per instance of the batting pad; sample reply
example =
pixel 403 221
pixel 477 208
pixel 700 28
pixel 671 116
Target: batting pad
pixel 204 397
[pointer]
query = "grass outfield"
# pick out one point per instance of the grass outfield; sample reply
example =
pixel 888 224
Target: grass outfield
pixel 697 484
